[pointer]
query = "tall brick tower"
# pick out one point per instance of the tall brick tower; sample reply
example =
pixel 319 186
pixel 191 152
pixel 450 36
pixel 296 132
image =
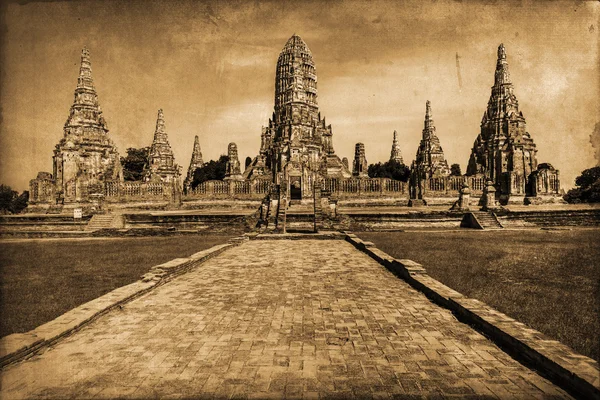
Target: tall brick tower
pixel 161 161
pixel 396 154
pixel 360 165
pixel 504 151
pixel 430 158
pixel 296 146
pixel 85 158
pixel 195 163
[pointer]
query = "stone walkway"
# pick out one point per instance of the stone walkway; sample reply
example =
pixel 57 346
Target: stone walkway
pixel 274 319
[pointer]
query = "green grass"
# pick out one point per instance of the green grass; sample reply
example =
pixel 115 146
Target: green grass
pixel 42 279
pixel 549 280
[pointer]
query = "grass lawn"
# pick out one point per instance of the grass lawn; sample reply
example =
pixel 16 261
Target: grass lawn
pixel 41 279
pixel 549 280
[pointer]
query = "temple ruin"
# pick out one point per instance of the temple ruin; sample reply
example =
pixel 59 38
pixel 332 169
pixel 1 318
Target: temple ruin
pixel 195 163
pixel 161 165
pixel 504 151
pixel 85 158
pixel 296 146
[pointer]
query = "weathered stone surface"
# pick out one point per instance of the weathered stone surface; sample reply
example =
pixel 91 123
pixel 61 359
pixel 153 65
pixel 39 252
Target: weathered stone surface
pixel 297 142
pixel 504 151
pixel 161 160
pixel 273 319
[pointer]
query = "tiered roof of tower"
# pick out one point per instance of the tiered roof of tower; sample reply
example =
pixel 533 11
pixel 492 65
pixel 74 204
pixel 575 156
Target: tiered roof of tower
pixel 396 155
pixel 430 156
pixel 161 161
pixel 195 163
pixel 85 119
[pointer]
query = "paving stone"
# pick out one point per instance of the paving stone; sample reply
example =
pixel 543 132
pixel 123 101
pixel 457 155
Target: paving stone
pixel 277 319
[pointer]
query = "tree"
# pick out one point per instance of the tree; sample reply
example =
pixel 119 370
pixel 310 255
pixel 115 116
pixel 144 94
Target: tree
pixel 455 170
pixel 587 188
pixel 247 163
pixel 212 170
pixel 11 201
pixel 390 169
pixel 134 163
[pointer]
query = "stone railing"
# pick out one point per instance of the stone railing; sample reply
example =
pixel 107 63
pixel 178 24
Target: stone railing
pixel 116 192
pixel 256 189
pixel 371 187
pixel 449 186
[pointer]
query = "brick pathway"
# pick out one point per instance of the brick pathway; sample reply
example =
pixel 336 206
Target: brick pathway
pixel 274 319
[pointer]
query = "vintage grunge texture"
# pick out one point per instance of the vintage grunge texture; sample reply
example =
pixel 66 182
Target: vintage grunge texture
pixel 211 67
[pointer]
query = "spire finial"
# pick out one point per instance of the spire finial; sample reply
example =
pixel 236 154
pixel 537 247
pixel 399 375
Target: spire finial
pixel 502 75
pixel 501 52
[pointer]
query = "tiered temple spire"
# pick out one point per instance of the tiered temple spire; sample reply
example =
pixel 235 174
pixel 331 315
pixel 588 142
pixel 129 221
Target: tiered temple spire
pixel 430 160
pixel 297 142
pixel 85 158
pixel 503 151
pixel 396 155
pixel 161 161
pixel 195 163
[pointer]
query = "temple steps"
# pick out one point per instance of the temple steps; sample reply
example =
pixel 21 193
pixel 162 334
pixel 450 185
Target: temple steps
pixel 104 221
pixel 487 220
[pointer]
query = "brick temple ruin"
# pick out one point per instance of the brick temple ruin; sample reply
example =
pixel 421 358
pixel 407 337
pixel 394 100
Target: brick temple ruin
pixel 296 152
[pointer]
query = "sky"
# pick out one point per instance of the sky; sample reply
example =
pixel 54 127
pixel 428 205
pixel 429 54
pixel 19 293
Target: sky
pixel 211 67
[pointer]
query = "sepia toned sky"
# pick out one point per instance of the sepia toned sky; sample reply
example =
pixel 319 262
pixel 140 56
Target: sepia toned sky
pixel 211 67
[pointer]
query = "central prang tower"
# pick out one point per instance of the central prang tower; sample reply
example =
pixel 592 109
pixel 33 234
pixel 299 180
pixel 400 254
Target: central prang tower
pixel 296 146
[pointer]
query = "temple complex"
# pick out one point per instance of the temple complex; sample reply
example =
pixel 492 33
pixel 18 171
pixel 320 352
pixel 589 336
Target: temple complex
pixel 504 151
pixel 232 168
pixel 360 165
pixel 85 158
pixel 430 161
pixel 296 146
pixel 396 155
pixel 195 163
pixel 161 165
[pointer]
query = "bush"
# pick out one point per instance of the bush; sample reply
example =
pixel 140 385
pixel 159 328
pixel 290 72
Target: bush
pixel 588 187
pixel 391 169
pixel 11 201
pixel 134 163
pixel 212 170
pixel 455 170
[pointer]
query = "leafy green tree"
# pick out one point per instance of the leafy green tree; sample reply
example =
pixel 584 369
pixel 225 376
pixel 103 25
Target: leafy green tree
pixel 11 201
pixel 587 188
pixel 455 170
pixel 390 169
pixel 133 164
pixel 248 162
pixel 212 170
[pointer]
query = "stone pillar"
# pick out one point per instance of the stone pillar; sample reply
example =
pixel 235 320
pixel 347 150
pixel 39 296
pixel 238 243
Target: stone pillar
pixel 464 195
pixel 488 199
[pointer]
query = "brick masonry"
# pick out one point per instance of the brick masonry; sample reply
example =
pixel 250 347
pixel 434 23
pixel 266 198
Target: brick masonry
pixel 275 319
pixel 576 373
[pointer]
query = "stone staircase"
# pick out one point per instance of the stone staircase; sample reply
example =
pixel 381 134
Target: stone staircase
pixel 104 221
pixel 487 220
